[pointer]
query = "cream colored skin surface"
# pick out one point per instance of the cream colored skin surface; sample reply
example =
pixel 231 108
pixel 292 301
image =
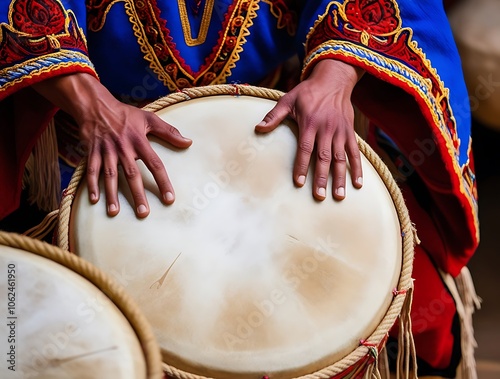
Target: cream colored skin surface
pixel 245 274
pixel 64 327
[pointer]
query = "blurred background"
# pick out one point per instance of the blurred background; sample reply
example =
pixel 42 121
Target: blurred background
pixel 476 26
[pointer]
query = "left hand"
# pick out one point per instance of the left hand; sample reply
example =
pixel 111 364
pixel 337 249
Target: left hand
pixel 321 106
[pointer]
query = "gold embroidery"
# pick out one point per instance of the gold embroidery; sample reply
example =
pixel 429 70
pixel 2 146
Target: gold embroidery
pixel 61 54
pixel 437 116
pixel 186 25
pixel 96 23
pixel 168 77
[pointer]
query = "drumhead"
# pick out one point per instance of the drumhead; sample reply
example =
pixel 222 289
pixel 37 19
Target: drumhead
pixel 246 275
pixel 60 325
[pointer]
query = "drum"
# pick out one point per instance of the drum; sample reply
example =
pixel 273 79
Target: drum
pixel 476 28
pixel 245 275
pixel 63 318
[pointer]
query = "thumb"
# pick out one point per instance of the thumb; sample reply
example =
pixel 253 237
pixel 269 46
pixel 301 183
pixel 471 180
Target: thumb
pixel 168 132
pixel 275 116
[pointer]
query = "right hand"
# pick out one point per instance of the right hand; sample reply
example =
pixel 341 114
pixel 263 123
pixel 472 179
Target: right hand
pixel 114 134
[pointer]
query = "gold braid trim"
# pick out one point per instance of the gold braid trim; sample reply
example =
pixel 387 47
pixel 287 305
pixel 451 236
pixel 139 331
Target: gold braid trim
pixel 186 25
pixel 157 67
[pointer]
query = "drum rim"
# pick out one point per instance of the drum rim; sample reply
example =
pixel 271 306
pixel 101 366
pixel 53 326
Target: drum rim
pixel 110 288
pixel 374 344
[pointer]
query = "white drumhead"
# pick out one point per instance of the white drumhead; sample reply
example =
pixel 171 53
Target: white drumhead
pixel 246 275
pixel 57 325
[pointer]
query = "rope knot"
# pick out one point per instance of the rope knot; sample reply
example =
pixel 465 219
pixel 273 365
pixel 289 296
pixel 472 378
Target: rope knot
pixel 397 292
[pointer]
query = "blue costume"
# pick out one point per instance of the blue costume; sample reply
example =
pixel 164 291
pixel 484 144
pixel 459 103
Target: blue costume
pixel 413 90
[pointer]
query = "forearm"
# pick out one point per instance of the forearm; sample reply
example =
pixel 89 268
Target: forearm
pixel 76 94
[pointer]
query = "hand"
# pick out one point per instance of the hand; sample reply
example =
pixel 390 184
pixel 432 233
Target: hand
pixel 321 106
pixel 114 133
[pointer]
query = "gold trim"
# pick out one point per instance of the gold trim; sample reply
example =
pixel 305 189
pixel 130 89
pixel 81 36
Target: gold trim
pixel 105 15
pixel 43 70
pixel 186 25
pixel 468 190
pixel 159 70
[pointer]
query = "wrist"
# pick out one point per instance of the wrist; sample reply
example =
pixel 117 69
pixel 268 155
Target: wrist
pixel 75 94
pixel 332 69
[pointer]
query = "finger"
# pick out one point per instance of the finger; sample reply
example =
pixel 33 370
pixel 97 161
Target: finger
pixel 323 162
pixel 167 132
pixel 275 116
pixel 157 168
pixel 134 180
pixel 339 167
pixel 354 156
pixel 94 162
pixel 305 147
pixel 111 179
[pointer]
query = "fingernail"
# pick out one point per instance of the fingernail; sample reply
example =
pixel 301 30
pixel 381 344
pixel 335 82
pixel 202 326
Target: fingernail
pixel 340 191
pixel 141 209
pixel 169 197
pixel 321 192
pixel 359 181
pixel 93 197
pixel 262 123
pixel 112 208
pixel 301 180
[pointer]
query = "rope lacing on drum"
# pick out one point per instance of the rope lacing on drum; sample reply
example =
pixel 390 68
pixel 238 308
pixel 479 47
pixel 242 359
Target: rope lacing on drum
pixel 401 303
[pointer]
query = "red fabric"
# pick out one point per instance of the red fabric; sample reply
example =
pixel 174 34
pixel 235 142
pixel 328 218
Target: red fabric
pixel 23 113
pixel 21 127
pixel 448 214
pixel 432 314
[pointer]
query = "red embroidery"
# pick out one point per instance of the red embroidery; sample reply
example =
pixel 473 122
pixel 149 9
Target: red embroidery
pixel 96 13
pixel 38 28
pixel 377 17
pixel 287 18
pixel 376 24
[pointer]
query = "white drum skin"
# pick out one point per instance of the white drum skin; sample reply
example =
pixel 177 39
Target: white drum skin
pixel 476 27
pixel 246 275
pixel 62 325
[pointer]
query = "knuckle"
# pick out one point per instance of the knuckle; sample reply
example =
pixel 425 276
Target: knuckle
pixel 339 157
pixel 321 179
pixel 355 154
pixel 324 155
pixel 109 172
pixel 91 171
pixel 138 196
pixel 306 147
pixel 173 130
pixel 130 171
pixel 155 163
pixel 302 167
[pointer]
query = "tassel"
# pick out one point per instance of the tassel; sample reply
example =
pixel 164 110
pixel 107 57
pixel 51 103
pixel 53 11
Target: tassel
pixel 466 301
pixel 41 174
pixel 407 357
pixel 47 225
pixel 471 302
pixel 384 364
